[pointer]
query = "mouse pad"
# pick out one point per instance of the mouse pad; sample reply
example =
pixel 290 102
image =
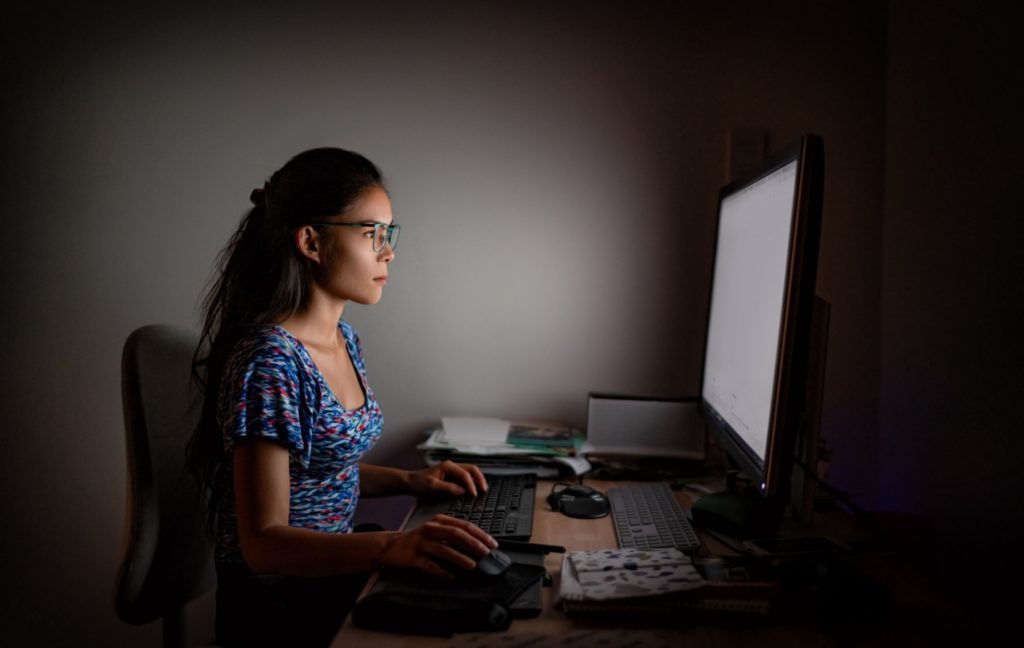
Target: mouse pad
pixel 530 601
pixel 412 602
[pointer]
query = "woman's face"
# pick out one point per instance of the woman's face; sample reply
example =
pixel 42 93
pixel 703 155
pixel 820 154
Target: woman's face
pixel 349 267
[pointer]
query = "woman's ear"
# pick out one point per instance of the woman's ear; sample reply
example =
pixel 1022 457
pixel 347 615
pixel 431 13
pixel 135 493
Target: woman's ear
pixel 307 241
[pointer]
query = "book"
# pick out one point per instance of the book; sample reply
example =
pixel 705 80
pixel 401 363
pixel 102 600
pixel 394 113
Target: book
pixel 668 608
pixel 543 435
pixel 660 583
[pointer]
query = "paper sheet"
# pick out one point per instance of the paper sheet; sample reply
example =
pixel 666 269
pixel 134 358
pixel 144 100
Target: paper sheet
pixel 467 430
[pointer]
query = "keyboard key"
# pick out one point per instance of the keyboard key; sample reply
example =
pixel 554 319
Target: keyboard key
pixel 505 511
pixel 648 516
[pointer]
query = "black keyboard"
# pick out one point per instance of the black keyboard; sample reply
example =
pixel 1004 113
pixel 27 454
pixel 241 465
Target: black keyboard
pixel 505 511
pixel 647 516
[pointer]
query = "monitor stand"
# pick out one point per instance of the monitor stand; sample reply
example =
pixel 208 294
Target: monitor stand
pixel 738 514
pixel 804 487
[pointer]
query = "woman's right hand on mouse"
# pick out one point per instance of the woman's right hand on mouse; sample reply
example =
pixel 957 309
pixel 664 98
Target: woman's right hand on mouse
pixel 442 540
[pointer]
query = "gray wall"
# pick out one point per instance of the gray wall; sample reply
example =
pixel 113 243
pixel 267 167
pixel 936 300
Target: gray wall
pixel 554 168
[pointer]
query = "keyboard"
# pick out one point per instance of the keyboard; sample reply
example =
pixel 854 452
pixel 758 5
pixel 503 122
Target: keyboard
pixel 646 515
pixel 505 511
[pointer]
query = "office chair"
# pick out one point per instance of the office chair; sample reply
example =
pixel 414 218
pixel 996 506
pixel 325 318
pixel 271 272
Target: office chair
pixel 168 561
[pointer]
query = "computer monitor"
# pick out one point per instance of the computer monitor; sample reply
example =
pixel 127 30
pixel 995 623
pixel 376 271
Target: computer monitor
pixel 759 324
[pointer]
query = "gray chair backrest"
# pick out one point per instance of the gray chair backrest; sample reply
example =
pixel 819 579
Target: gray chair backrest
pixel 169 556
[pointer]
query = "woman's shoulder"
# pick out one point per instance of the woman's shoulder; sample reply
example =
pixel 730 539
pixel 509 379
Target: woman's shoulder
pixel 266 343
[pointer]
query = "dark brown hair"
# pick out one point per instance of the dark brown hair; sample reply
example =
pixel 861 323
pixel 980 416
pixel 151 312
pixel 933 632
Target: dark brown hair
pixel 263 279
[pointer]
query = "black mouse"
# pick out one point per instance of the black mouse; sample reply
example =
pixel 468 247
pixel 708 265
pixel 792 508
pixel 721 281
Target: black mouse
pixel 493 564
pixel 487 568
pixel 579 501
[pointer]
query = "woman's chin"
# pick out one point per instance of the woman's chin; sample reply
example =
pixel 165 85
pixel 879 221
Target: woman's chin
pixel 368 300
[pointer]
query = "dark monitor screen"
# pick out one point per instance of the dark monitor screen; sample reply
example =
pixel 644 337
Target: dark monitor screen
pixel 762 291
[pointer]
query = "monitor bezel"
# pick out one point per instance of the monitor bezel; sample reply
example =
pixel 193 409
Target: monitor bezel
pixel 771 476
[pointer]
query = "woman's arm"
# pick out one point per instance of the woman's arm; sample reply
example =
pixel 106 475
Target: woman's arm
pixel 378 481
pixel 445 477
pixel 270 545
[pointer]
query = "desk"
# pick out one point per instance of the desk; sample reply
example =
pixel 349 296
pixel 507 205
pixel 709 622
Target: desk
pixel 915 624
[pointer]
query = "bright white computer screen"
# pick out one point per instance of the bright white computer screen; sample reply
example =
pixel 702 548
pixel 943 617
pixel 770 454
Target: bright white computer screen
pixel 747 296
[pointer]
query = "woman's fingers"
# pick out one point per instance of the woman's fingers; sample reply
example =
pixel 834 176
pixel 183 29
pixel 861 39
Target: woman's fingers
pixel 459 475
pixel 449 530
pixel 449 554
pixel 439 551
pixel 477 476
pixel 442 544
pixel 428 566
pixel 468 476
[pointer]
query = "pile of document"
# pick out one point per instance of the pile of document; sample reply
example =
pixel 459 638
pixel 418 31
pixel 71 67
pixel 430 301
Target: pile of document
pixel 500 446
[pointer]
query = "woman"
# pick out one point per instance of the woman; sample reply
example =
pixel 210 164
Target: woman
pixel 288 411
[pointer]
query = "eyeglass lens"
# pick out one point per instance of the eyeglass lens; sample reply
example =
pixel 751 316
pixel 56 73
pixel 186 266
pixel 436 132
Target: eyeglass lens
pixel 385 234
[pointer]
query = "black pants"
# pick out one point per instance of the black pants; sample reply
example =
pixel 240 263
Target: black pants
pixel 259 610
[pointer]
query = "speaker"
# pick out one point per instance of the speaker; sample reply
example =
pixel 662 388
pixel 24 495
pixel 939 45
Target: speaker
pixel 645 426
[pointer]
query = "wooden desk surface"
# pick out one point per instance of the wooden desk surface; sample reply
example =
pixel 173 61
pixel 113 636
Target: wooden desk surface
pixel 554 628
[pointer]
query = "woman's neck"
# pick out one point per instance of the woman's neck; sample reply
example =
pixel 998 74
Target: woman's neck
pixel 317 323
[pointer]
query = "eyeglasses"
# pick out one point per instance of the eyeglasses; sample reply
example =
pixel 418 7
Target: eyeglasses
pixel 383 233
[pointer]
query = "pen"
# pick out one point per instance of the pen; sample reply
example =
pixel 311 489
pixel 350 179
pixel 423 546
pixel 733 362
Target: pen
pixel 514 545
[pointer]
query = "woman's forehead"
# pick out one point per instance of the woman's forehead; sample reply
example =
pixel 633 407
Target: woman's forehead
pixel 373 205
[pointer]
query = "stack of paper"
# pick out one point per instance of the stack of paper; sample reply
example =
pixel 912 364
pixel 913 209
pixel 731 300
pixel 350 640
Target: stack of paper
pixel 497 446
pixel 474 432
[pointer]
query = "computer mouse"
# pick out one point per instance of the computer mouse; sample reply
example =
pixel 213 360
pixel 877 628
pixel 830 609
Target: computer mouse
pixel 493 564
pixel 487 568
pixel 579 501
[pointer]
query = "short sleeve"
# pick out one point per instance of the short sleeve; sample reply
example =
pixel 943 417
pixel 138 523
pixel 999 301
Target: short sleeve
pixel 264 395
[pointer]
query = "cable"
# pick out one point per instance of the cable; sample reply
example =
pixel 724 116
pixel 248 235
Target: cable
pixel 843 498
pixel 837 494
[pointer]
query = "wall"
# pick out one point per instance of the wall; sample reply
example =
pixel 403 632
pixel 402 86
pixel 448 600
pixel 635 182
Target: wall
pixel 950 436
pixel 554 168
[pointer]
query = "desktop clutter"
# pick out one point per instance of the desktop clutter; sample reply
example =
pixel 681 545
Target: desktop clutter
pixel 550 450
pixel 660 572
pixel 507 584
pixel 661 565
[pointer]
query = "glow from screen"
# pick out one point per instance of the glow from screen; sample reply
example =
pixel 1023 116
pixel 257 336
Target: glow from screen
pixel 747 299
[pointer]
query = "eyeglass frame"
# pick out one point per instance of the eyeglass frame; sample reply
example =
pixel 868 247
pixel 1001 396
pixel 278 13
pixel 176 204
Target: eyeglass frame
pixel 390 239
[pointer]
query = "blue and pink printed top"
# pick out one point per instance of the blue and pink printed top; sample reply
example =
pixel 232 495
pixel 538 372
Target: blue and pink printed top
pixel 271 389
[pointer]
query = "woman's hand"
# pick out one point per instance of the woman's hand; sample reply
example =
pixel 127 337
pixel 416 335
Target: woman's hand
pixel 448 477
pixel 438 544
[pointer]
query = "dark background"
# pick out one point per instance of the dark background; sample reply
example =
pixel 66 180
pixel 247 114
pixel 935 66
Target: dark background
pixel 555 167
